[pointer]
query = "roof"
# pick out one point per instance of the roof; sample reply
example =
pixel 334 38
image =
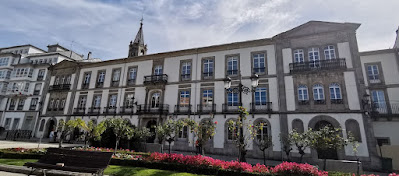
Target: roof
pixel 140 36
pixel 23 46
pixel 375 52
pixel 57 45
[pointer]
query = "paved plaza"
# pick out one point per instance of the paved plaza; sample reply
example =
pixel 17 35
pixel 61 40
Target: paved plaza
pixel 22 144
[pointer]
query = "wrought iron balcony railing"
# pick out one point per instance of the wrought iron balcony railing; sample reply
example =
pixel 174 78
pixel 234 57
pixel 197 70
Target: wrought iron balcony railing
pixel 330 64
pixel 206 108
pixel 60 87
pixel 40 78
pixel 79 111
pixel 153 109
pixel 127 110
pixel 384 109
pixel 85 86
pixel 99 84
pixel 131 82
pixel 231 107
pixel 232 72
pixel 94 110
pixel 156 79
pixel 114 83
pixel 207 75
pixel 183 109
pixel 261 107
pixel 259 70
pixel 110 110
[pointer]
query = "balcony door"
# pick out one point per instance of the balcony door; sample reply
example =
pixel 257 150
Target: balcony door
pixel 155 100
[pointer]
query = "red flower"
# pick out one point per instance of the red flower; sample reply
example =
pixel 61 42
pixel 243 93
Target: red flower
pixel 216 122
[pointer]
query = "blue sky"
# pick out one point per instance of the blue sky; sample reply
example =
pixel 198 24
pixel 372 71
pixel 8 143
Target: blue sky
pixel 106 27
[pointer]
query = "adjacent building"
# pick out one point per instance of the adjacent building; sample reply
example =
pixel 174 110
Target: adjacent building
pixel 309 77
pixel 23 79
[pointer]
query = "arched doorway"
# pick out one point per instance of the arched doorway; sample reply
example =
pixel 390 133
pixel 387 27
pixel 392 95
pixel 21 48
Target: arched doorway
pixel 151 125
pixel 51 124
pixel 329 153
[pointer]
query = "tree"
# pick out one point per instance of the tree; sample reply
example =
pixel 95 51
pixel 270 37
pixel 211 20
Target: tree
pixel 160 132
pixel 203 131
pixel 241 140
pixel 93 131
pixel 121 128
pixel 263 145
pixel 141 135
pixel 168 131
pixel 287 145
pixel 327 138
pixel 300 140
pixel 66 128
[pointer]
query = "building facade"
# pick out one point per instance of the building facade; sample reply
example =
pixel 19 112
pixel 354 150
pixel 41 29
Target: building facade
pixel 23 79
pixel 309 77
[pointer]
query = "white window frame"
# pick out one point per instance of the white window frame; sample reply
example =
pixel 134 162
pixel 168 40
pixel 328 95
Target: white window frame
pixel 314 57
pixel 318 92
pixel 329 52
pixel 299 56
pixel 335 91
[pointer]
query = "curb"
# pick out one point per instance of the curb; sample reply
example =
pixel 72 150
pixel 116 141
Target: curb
pixel 25 170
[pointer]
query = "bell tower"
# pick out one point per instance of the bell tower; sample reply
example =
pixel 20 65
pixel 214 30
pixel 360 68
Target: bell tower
pixel 137 47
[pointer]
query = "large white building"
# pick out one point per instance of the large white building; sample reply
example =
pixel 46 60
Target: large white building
pixel 23 79
pixel 309 77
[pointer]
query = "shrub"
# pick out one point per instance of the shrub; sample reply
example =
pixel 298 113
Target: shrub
pixel 290 168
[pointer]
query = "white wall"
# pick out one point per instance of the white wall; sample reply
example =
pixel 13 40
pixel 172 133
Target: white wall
pixel 351 90
pixel 344 51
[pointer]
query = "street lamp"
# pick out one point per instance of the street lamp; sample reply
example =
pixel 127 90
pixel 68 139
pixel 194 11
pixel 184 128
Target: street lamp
pixel 241 89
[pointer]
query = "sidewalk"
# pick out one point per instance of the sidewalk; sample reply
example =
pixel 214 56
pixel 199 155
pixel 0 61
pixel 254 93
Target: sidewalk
pixel 24 144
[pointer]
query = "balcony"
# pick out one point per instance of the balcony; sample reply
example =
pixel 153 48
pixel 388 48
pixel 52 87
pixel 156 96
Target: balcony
pixel 79 111
pixel 110 110
pixel 259 70
pixel 60 87
pixel 36 92
pixel 127 110
pixel 232 72
pixel 148 109
pixel 207 75
pixel 99 84
pixel 155 79
pixel 40 78
pixel 182 109
pixel 131 82
pixel 319 65
pixel 94 110
pixel 385 110
pixel 114 83
pixel 261 107
pixel 85 86
pixel 185 77
pixel 231 107
pixel 206 108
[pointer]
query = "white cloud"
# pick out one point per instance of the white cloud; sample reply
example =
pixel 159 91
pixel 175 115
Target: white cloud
pixel 106 28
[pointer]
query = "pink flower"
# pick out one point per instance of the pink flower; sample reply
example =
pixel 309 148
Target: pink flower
pixel 216 122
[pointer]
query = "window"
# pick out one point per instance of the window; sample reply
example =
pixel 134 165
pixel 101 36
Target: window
pixel 63 80
pixel 15 124
pixel 183 132
pixel 22 72
pixel 42 122
pixel 86 80
pixel 155 99
pixel 97 101
pixel 232 65
pixel 335 93
pixel 131 77
pixel 158 70
pixel 33 103
pixel 129 99
pixel 318 92
pixel 186 71
pixel 26 88
pixel 258 63
pixel 82 102
pixel 116 74
pixel 4 61
pixel 5 74
pixel 232 99
pixel 184 98
pixel 28 123
pixel 207 97
pixel 12 104
pixel 352 127
pixel 298 56
pixel 260 96
pixel 38 87
pixel 40 75
pixel 57 81
pixel 262 133
pixel 231 133
pixel 378 99
pixel 50 105
pixel 21 103
pixel 7 124
pixel 112 100
pixel 329 52
pixel 314 57
pixel 57 104
pixel 303 93
pixel 101 78
pixel 62 105
pixel 208 68
pixel 373 74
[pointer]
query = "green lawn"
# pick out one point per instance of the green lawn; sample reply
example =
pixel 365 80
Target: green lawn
pixel 112 169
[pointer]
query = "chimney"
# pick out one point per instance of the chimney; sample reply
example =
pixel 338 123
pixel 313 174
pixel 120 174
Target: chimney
pixel 89 55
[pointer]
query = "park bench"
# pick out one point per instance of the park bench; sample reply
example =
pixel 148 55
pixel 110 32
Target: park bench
pixel 73 161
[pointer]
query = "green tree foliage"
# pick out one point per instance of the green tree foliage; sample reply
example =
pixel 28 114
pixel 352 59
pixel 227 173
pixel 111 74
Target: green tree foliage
pixel 66 128
pixel 301 141
pixel 241 138
pixel 121 128
pixel 93 131
pixel 202 131
pixel 168 131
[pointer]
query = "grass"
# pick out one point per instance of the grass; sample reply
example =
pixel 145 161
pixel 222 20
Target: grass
pixel 112 169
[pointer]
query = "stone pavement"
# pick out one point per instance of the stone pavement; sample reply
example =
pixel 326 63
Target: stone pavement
pixel 10 174
pixel 23 144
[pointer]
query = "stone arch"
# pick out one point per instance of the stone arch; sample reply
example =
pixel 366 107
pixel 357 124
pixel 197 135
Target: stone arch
pixel 151 126
pixel 352 126
pixel 297 125
pixel 51 124
pixel 228 136
pixel 153 99
pixel 315 120
pixel 268 127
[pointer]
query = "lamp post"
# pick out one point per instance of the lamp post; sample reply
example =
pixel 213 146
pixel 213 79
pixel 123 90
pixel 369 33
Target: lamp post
pixel 241 89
